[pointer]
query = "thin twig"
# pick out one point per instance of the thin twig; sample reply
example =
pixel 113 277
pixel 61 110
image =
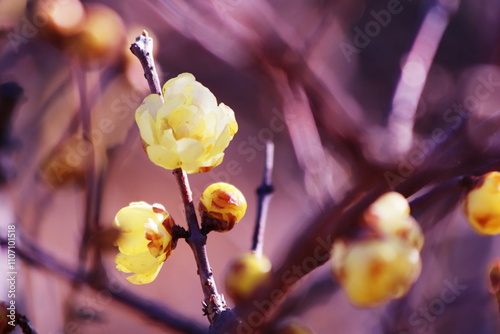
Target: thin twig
pixel 38 258
pixel 214 303
pixel 143 50
pixel 264 193
pixel 414 76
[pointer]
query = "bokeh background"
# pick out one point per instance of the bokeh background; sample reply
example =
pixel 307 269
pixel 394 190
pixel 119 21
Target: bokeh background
pixel 316 77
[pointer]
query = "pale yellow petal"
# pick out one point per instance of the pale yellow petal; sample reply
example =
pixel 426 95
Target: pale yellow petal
pixel 163 157
pixel 189 150
pixel 147 130
pixel 145 278
pixel 175 86
pixel 150 105
pixel 168 140
pixel 138 263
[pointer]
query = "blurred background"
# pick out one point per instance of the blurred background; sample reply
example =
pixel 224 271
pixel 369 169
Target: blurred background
pixel 319 78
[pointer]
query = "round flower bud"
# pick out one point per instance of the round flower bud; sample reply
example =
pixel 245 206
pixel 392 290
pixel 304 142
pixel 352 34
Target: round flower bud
pixel 145 241
pixel 481 205
pixel 102 37
pixel 388 213
pixel 389 216
pixel 63 19
pixel 222 205
pixel 246 274
pixel 373 271
pixel 189 130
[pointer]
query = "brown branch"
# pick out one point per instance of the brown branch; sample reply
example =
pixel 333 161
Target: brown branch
pixel 264 193
pixel 143 50
pixel 214 303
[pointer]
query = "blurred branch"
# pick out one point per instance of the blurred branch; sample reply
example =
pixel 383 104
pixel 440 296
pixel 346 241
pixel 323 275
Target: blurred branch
pixel 413 78
pixel 314 292
pixel 264 193
pixel 36 257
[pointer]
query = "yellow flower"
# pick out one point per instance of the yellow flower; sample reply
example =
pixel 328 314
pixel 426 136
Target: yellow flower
pixel 188 131
pixel 482 205
pixel 374 271
pixel 145 241
pixel 246 274
pixel 224 204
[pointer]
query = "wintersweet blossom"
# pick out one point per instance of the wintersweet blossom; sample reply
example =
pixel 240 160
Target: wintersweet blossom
pixel 224 203
pixel 374 271
pixel 189 130
pixel 145 241
pixel 481 205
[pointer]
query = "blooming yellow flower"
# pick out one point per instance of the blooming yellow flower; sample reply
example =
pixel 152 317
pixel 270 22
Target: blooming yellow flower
pixel 482 205
pixel 189 130
pixel 145 241
pixel 225 204
pixel 374 271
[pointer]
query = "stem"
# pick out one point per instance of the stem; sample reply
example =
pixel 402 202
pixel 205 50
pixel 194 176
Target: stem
pixel 408 92
pixel 214 303
pixel 264 193
pixel 143 50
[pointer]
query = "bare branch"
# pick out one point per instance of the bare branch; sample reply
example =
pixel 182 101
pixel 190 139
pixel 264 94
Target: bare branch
pixel 143 50
pixel 214 303
pixel 264 193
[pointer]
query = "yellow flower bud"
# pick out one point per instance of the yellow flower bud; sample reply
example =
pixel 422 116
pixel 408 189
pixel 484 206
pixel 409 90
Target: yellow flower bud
pixel 387 213
pixel 224 206
pixel 481 205
pixel 390 216
pixel 145 241
pixel 373 271
pixel 246 274
pixel 188 131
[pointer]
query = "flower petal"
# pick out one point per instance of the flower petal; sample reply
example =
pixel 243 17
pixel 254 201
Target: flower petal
pixel 164 157
pixel 137 263
pixel 145 278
